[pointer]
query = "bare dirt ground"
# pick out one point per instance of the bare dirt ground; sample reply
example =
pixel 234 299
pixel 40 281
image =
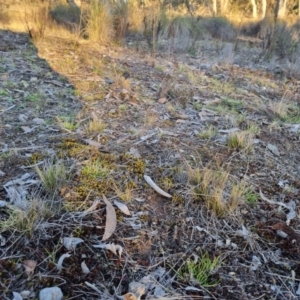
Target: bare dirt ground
pixel 70 103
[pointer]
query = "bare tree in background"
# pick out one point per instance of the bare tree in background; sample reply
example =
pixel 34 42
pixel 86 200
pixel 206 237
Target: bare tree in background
pixel 281 8
pixel 264 8
pixel 254 9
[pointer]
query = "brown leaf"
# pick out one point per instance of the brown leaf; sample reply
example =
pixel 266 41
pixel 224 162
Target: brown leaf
pixel 162 100
pixel 29 266
pixel 288 230
pixel 111 220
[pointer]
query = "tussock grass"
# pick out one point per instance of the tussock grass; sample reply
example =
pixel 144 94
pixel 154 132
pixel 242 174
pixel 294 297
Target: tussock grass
pixel 99 22
pixel 94 126
pixel 209 133
pixel 25 221
pixel 125 195
pixel 214 187
pixel 67 122
pixel 240 140
pixel 53 176
pixel 37 21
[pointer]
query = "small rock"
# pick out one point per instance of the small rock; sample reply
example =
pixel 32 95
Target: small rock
pixel 38 121
pixel 52 293
pixel 273 149
pixel 108 80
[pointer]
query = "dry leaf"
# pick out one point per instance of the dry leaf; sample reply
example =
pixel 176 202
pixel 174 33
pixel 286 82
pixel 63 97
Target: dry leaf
pixel 2 240
pixel 72 242
pixel 122 207
pixel 115 249
pixel 26 129
pixel 134 152
pixel 84 268
pixel 60 261
pixel 92 208
pixel 111 220
pixel 155 187
pixel 231 130
pixel 29 266
pixel 17 296
pixel 23 118
pixel 162 100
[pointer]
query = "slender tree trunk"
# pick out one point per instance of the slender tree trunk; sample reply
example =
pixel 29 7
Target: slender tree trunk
pixel 214 7
pixel 254 9
pixel 264 8
pixel 282 8
pixel 224 5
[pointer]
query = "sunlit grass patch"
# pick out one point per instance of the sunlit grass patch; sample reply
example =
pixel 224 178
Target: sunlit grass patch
pixel 99 22
pixel 24 221
pixel 125 195
pixel 67 122
pixel 53 176
pixel 216 189
pixel 94 169
pixel 240 140
pixel 94 126
pixel 210 132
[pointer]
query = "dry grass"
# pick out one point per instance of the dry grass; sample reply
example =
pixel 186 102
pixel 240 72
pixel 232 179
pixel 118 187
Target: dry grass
pixel 99 22
pixel 95 126
pixel 125 195
pixel 212 187
pixel 240 140
pixel 53 176
pixel 25 221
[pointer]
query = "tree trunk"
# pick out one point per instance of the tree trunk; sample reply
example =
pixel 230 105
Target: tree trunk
pixel 282 8
pixel 254 9
pixel 264 8
pixel 214 7
pixel 224 4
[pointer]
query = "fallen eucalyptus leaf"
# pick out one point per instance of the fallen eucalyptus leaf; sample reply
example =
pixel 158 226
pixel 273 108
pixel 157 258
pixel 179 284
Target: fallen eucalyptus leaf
pixel 115 249
pixel 84 268
pixel 23 118
pixel 231 130
pixel 26 129
pixel 71 242
pixel 93 207
pixel 192 288
pixel 2 240
pixel 155 187
pixel 17 296
pixel 61 259
pixel 111 220
pixel 29 266
pixel 122 207
pixel 134 152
